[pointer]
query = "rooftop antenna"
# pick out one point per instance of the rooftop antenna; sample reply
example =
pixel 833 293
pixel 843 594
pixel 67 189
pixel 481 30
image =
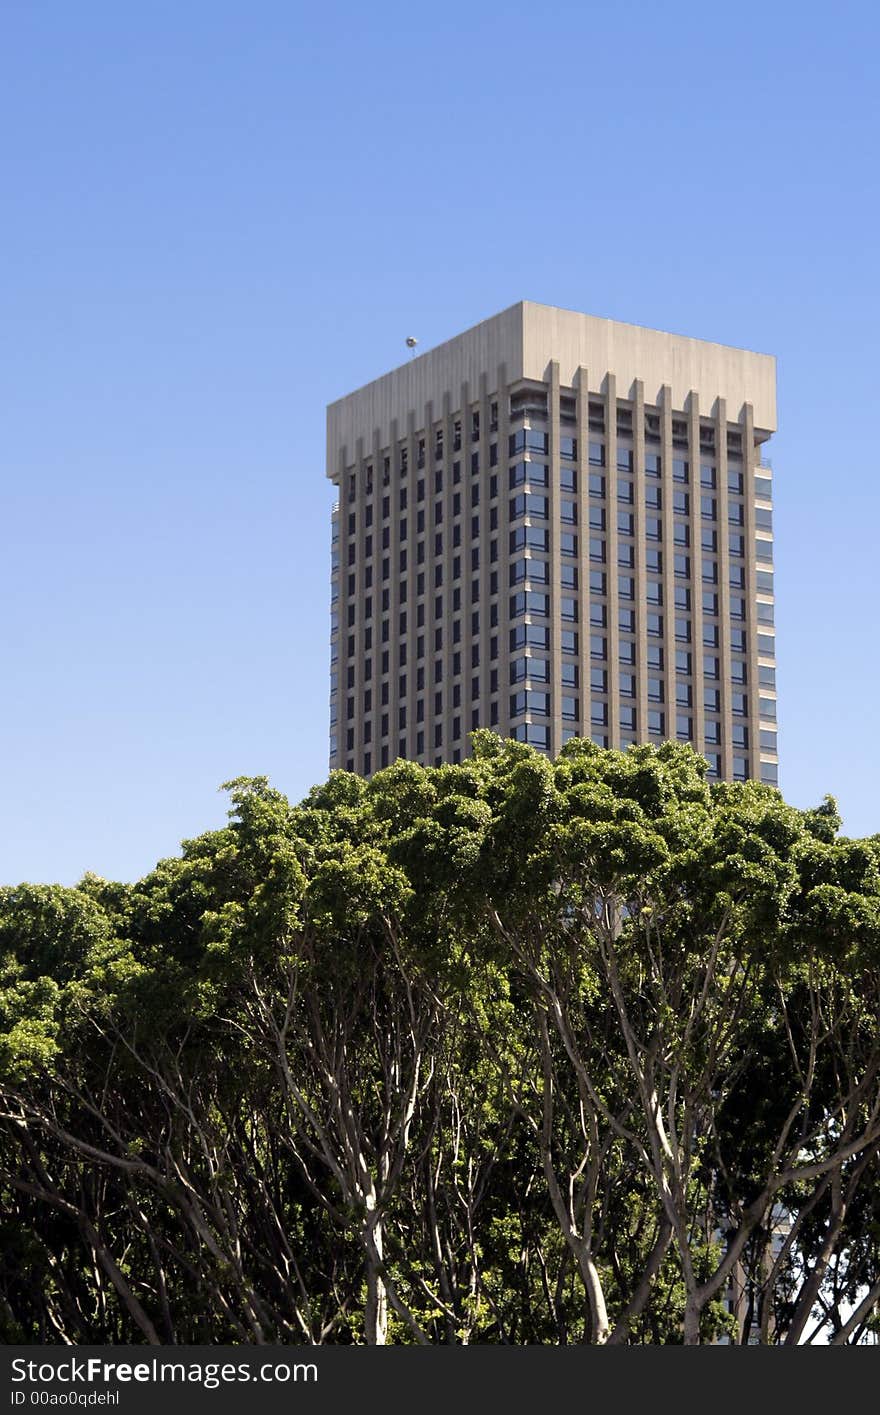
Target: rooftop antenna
pixel 411 343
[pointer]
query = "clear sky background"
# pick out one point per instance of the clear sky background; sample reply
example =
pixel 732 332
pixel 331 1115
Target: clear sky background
pixel 217 217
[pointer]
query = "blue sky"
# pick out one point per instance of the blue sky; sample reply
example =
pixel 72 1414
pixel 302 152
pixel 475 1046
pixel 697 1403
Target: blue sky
pixel 219 217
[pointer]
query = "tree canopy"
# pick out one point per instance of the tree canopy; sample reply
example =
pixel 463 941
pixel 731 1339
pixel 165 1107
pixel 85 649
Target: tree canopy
pixel 514 1051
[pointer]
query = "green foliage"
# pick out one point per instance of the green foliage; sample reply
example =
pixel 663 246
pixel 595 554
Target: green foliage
pixel 511 1051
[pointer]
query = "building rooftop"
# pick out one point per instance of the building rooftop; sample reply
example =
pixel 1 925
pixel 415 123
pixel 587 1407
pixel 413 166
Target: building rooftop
pixel 524 339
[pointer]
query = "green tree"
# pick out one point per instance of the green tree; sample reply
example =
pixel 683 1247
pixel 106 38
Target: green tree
pixel 511 1051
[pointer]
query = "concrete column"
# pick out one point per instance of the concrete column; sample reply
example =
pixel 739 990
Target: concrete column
pixel 723 589
pixel 639 483
pixel 696 550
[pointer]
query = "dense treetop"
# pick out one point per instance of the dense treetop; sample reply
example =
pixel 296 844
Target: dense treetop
pixel 510 1051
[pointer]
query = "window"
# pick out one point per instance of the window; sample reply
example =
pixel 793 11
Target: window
pixel 568 543
pixel 534 733
pixel 767 708
pixel 598 615
pixel 628 719
pixel 714 760
pixel 536 571
pixel 712 699
pixel 626 651
pixel 599 680
pixel 707 508
pixel 568 448
pixel 653 498
pixel 597 454
pixel 527 439
pixel 711 666
pixel 768 740
pixel 683 695
pixel 569 709
pixel 656 722
pixel 626 621
pixel 533 473
pixel 682 597
pixel 653 528
pixel 653 464
pixel 763 487
pixel 654 592
pixel 529 700
pixel 568 608
pixel 598 646
pixel 599 714
pixel 537 669
pixel 528 505
pixel 679 469
pixel 766 676
pixel 712 730
pixel 684 729
pixel 568 512
pixel 739 704
pixel 536 635
pixel 626 557
pixel 770 773
pixel 655 690
pixel 735 482
pixel 569 641
pixel 627 685
pixel 654 625
pixel 764 550
pixel 654 560
pixel 529 537
pixel 740 769
pixel 569 675
pixel 738 671
pixel 624 459
pixel 681 503
pixel 597 484
pixel 682 565
pixel 529 602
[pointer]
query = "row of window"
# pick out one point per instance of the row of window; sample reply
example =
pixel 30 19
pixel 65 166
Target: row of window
pixel 534 444
pixel 537 475
pixel 528 603
pixel 532 403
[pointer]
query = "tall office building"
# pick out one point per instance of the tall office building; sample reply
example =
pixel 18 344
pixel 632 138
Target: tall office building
pixel 555 525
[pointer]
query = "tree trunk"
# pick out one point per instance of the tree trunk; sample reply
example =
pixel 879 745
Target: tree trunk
pixel 376 1313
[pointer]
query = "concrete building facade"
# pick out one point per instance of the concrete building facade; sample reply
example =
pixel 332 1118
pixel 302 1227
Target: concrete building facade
pixel 555 525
